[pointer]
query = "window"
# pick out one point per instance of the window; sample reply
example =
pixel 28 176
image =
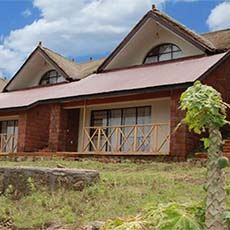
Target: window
pixel 125 118
pixel 118 117
pixel 162 53
pixel 8 135
pixel 51 77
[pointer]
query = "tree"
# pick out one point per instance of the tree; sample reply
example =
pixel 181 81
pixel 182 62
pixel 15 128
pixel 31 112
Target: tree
pixel 206 113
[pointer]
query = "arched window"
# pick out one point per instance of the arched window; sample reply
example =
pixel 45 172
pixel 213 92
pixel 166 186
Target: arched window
pixel 51 77
pixel 162 53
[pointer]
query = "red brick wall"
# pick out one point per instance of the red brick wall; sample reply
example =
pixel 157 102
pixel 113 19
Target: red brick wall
pixel 57 130
pixel 184 142
pixel 36 132
pixel 33 128
pixel 46 127
pixel 63 131
pixel 179 142
pixel 220 80
pixel 22 131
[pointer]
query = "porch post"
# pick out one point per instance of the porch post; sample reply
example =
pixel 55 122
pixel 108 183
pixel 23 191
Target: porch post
pixel 22 122
pixel 177 140
pixel 83 126
pixel 57 129
pixel 182 142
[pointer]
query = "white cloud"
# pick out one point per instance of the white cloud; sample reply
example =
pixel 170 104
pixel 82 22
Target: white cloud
pixel 219 17
pixel 73 28
pixel 26 13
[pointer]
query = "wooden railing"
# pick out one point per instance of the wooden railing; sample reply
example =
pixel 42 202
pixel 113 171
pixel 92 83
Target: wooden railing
pixel 8 143
pixel 146 138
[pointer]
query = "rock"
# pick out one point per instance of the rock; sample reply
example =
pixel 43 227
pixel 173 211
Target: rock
pixel 93 225
pixel 60 166
pixel 23 179
pixel 57 227
pixel 7 225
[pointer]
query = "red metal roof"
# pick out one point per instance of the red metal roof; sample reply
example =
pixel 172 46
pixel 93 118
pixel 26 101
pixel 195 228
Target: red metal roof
pixel 163 74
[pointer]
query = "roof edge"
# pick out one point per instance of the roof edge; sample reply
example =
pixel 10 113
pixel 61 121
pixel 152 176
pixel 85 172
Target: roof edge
pixel 154 13
pixel 19 70
pixel 99 95
pixel 116 93
pixel 47 57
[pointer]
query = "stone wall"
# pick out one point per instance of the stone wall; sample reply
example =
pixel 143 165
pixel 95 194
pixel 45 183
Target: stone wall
pixel 21 178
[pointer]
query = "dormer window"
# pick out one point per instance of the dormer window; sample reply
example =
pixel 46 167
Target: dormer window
pixel 51 77
pixel 163 52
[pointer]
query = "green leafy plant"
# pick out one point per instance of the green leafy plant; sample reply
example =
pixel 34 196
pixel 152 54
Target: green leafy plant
pixel 134 223
pixel 173 216
pixel 206 112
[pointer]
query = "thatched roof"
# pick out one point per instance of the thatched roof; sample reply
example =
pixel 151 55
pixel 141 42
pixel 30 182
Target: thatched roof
pixel 220 39
pixel 200 39
pixel 71 68
pixel 2 84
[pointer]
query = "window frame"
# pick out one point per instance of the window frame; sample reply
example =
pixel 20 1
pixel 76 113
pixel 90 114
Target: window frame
pixel 158 55
pixel 7 124
pixel 108 113
pixel 46 77
pixel 13 124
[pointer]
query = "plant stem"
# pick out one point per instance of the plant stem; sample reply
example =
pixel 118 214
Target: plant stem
pixel 216 194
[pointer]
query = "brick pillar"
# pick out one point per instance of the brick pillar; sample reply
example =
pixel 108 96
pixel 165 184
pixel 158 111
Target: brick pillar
pixel 182 142
pixel 57 129
pixel 178 139
pixel 22 121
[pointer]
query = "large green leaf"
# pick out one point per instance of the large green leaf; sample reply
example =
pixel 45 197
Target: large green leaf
pixel 172 216
pixel 136 223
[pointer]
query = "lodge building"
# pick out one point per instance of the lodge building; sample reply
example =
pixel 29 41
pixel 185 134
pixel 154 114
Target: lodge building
pixel 124 105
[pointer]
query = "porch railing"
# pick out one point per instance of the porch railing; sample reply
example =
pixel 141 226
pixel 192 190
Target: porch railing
pixel 146 138
pixel 8 143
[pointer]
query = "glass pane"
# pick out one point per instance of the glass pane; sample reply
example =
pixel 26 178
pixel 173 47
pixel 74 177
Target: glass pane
pixel 177 54
pixel 129 116
pixel 3 127
pixel 165 49
pixel 52 74
pixel 60 78
pixel 151 59
pixel 10 127
pixel 144 115
pixel 51 77
pixel 176 48
pixel 164 57
pixel 143 136
pixel 114 121
pixel 115 117
pixel 99 118
pixel 53 80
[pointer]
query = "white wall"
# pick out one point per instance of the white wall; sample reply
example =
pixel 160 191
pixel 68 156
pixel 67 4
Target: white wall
pixel 30 76
pixel 150 35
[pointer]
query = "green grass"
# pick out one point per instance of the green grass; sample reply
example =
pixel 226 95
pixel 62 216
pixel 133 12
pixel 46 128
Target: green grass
pixel 124 189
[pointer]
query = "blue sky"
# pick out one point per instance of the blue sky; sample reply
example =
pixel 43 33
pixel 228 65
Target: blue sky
pixel 83 28
pixel 192 14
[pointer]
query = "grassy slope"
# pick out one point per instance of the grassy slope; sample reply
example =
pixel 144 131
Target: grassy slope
pixel 124 189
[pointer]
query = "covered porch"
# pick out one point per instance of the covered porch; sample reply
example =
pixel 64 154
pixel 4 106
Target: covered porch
pixel 132 127
pixel 129 127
